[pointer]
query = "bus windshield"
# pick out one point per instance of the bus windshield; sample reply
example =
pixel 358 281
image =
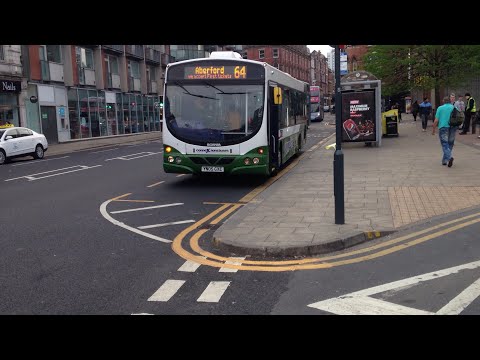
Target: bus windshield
pixel 206 112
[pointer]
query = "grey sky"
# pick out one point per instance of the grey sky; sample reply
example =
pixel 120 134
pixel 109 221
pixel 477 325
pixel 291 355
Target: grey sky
pixel 324 49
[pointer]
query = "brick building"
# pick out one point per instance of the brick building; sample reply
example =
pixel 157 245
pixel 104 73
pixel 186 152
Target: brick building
pixel 319 72
pixel 355 54
pixel 292 59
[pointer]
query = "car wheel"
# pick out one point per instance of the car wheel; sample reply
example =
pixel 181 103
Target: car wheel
pixel 3 157
pixel 38 152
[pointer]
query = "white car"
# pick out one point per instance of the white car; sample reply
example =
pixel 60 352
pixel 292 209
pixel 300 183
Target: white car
pixel 20 141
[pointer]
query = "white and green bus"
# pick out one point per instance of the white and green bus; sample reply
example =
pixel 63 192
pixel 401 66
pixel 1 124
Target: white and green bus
pixel 225 114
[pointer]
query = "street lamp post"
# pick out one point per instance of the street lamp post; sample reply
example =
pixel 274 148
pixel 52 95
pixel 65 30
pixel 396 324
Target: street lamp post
pixel 338 179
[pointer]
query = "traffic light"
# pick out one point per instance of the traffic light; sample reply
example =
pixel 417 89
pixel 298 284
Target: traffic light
pixel 109 107
pixel 161 105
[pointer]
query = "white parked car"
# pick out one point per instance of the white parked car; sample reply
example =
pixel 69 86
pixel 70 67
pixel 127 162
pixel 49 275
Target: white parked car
pixel 20 141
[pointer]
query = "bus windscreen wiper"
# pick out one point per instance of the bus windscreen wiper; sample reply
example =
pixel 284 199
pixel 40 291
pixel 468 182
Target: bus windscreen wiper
pixel 189 93
pixel 208 84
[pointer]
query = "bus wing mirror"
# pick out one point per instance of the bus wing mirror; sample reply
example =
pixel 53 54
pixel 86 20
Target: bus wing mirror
pixel 277 95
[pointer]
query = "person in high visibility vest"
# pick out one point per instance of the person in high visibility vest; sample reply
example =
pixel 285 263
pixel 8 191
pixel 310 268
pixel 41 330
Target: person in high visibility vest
pixel 470 110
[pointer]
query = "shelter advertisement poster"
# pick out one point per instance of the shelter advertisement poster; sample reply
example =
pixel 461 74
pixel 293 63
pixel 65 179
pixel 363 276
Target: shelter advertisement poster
pixel 358 116
pixel 408 105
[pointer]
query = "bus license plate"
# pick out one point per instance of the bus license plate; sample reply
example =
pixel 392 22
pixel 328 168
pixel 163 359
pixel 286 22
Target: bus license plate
pixel 212 169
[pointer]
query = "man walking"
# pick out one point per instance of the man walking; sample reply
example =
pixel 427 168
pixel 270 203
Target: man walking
pixel 425 109
pixel 446 134
pixel 470 109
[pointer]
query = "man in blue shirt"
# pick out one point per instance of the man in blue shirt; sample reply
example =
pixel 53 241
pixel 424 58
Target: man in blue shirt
pixel 447 134
pixel 425 108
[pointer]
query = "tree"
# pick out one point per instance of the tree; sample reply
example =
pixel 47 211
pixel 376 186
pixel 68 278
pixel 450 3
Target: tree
pixel 412 67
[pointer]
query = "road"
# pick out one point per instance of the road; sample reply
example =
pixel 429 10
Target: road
pixel 90 233
pixel 61 254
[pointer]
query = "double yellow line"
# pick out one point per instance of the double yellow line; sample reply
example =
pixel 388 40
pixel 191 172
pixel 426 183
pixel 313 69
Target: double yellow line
pixel 204 257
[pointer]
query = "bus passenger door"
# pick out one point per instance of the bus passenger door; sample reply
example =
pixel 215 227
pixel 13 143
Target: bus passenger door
pixel 273 128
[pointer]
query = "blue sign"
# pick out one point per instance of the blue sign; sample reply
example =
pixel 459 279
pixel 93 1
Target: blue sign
pixel 343 63
pixel 61 111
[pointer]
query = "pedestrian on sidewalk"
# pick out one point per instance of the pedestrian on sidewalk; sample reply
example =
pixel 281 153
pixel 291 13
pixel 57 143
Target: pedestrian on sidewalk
pixel 425 110
pixel 415 110
pixel 470 110
pixel 460 106
pixel 446 133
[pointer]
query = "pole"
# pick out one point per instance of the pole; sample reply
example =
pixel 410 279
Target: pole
pixel 338 180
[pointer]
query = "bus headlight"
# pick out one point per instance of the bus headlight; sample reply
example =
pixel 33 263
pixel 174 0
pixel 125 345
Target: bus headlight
pixel 170 159
pixel 246 161
pixel 256 161
pixel 168 149
pixel 260 150
pixel 178 160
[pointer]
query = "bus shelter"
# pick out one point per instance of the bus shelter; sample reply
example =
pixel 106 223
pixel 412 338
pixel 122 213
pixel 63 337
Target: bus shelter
pixel 361 108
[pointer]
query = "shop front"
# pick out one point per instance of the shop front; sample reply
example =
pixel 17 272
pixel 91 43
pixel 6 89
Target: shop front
pixel 9 109
pixel 94 113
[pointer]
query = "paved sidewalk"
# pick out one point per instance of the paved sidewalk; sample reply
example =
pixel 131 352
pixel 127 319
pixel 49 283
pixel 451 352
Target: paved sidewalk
pixel 90 143
pixel 397 184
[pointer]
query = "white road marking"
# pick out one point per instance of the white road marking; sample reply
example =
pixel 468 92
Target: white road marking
pixel 190 266
pixel 459 303
pixel 233 261
pixel 165 224
pixel 181 175
pixel 167 290
pixel 106 215
pixel 360 302
pixel 37 161
pixel 101 151
pixel 146 208
pixel 142 314
pixel 365 305
pixel 158 183
pixel 214 291
pixel 34 176
pixel 135 156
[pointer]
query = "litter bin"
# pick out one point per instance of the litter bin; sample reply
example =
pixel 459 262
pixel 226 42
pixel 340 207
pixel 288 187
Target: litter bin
pixel 390 123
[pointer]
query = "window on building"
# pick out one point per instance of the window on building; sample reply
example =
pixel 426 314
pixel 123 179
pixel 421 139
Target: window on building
pixel 134 69
pixel 261 53
pixel 152 71
pixel 275 53
pixel 84 57
pixel 111 63
pixel 2 54
pixel 54 53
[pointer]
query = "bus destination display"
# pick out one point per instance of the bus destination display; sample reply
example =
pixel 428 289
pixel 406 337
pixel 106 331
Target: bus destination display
pixel 215 72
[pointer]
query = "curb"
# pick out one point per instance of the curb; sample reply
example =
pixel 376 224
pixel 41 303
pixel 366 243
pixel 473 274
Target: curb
pixel 327 247
pixel 93 144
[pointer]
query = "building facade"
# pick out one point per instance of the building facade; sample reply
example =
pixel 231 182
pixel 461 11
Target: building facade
pixel 85 91
pixel 319 72
pixel 12 85
pixel 292 59
pixel 331 60
pixel 186 52
pixel 355 54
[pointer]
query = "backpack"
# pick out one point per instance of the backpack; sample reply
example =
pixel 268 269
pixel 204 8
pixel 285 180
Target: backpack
pixel 456 117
